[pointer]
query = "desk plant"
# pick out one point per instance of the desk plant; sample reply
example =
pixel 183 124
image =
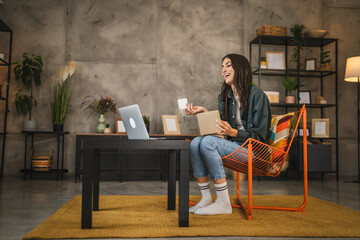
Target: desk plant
pixel 147 122
pixel 101 106
pixel 60 97
pixel 27 72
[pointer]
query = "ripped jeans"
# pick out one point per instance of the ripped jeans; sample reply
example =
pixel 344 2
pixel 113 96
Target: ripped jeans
pixel 206 153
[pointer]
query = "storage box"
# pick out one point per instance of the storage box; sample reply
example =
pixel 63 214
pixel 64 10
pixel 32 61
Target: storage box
pixel 41 162
pixel 272 96
pixel 319 157
pixel 270 30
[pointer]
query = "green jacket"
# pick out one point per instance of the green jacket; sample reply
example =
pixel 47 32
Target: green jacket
pixel 258 120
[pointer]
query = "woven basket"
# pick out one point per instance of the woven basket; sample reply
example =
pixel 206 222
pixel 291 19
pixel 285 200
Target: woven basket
pixel 41 163
pixel 270 30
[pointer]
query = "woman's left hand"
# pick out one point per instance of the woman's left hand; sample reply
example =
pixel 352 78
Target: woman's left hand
pixel 225 129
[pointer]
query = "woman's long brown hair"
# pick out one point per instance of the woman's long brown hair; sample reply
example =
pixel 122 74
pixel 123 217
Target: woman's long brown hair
pixel 242 82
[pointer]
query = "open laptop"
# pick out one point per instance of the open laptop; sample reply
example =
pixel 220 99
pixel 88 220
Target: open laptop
pixel 207 122
pixel 133 122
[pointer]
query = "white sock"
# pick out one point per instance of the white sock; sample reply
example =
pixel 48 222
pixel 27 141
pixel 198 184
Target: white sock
pixel 222 205
pixel 205 197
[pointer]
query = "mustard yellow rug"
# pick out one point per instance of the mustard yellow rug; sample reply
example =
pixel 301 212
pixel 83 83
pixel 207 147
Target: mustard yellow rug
pixel 146 216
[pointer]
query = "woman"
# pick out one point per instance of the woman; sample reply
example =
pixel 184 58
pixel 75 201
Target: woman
pixel 245 113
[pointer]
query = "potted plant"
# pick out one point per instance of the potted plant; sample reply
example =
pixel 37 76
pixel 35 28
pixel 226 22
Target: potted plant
pixel 60 98
pixel 101 106
pixel 107 129
pixel 27 72
pixel 147 122
pixel 325 60
pixel 290 85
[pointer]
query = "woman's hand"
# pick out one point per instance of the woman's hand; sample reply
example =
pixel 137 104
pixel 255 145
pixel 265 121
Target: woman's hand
pixel 192 110
pixel 225 129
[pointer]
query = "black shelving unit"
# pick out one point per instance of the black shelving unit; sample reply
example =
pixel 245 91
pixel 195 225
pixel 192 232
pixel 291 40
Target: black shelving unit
pixel 5 63
pixel 311 42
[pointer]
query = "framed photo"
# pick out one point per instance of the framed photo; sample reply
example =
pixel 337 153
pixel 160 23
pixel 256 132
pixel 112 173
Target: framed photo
pixel 171 125
pixel 310 64
pixel 305 97
pixel 275 60
pixel 301 132
pixel 119 124
pixel 320 128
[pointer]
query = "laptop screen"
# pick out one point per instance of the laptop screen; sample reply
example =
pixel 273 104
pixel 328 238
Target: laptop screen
pixel 133 122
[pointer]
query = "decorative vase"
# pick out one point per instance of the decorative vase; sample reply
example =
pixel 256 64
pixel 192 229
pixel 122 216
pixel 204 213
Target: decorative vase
pixel 58 127
pixel 290 99
pixel 101 126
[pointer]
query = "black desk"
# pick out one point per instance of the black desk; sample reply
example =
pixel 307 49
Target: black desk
pixel 91 172
pixel 59 135
pixel 121 156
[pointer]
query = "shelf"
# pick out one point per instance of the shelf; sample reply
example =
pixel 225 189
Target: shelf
pixel 292 73
pixel 295 105
pixel 45 132
pixel 286 44
pixel 323 138
pixel 278 40
pixel 27 170
pixel 4 112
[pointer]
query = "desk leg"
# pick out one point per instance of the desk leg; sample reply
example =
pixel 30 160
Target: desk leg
pixel 87 186
pixel 184 189
pixel 96 177
pixel 172 180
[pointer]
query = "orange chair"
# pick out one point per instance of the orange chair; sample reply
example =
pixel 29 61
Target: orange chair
pixel 257 158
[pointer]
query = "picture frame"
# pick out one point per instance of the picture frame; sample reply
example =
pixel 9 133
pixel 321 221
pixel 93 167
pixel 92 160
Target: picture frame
pixel 301 132
pixel 275 60
pixel 304 97
pixel 171 125
pixel 320 128
pixel 119 125
pixel 310 64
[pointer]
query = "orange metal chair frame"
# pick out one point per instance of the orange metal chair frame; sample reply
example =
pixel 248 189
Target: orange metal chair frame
pixel 264 160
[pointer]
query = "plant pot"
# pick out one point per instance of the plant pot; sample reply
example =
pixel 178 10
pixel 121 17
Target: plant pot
pixel 325 67
pixel 107 130
pixel 147 125
pixel 58 127
pixel 290 99
pixel 29 125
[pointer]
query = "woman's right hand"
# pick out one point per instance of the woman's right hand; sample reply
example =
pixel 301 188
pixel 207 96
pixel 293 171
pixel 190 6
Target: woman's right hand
pixel 192 110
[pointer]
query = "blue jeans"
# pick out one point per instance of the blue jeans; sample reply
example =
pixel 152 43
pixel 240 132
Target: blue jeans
pixel 206 153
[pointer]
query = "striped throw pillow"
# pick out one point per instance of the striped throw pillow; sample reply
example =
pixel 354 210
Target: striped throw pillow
pixel 280 131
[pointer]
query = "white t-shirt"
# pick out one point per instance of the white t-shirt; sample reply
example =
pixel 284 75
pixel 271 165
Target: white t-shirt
pixel 238 123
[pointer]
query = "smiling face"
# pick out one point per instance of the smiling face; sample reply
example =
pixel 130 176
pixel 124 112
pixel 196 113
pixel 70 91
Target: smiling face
pixel 228 72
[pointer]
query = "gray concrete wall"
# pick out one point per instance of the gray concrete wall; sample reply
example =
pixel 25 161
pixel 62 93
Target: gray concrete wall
pixel 152 52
